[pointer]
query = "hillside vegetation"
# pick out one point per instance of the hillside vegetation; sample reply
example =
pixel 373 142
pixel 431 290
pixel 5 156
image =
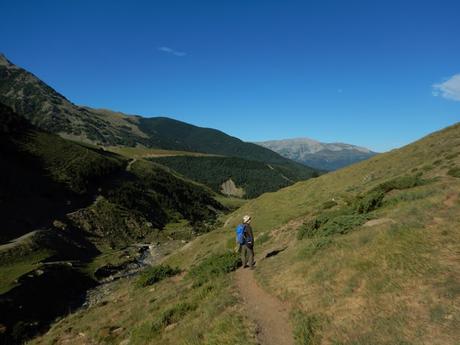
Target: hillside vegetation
pixel 364 255
pixel 254 177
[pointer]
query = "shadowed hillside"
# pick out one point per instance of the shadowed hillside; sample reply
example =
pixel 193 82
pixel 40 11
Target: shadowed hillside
pixel 68 210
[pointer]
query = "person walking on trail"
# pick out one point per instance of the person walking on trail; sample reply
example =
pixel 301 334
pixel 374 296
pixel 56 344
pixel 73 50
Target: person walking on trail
pixel 245 238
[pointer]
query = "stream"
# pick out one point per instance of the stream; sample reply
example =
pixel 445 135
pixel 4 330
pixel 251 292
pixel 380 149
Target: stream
pixel 59 288
pixel 107 275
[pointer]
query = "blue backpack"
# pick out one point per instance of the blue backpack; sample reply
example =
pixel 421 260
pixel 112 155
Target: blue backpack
pixel 240 230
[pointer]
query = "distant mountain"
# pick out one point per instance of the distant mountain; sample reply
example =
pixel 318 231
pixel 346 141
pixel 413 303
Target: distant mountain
pixel 47 109
pixel 323 156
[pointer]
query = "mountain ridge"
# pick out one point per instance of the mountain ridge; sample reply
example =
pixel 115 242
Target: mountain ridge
pixel 49 110
pixel 324 156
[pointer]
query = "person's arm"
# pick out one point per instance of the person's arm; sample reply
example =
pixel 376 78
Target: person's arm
pixel 251 235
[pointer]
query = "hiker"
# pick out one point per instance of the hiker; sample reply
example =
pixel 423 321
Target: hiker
pixel 245 238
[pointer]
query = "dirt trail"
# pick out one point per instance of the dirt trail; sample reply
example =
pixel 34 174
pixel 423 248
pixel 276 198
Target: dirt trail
pixel 131 162
pixel 269 314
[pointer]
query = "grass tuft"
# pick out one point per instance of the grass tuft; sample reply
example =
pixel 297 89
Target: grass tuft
pixel 172 315
pixel 307 328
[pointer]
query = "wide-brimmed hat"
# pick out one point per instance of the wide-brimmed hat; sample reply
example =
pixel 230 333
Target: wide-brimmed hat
pixel 246 219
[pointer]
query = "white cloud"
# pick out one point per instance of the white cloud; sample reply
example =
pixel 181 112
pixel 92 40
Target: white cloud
pixel 171 51
pixel 449 89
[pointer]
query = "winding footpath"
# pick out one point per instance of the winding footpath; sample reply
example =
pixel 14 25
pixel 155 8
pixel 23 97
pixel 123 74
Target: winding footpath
pixel 270 315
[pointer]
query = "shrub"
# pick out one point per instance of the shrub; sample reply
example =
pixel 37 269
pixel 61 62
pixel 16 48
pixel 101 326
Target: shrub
pixel 454 172
pixel 342 224
pixel 155 274
pixel 333 222
pixel 369 202
pixel 312 227
pixel 213 266
pixel 308 229
pixel 402 182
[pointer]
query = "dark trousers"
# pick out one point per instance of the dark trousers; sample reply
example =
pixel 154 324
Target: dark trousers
pixel 247 255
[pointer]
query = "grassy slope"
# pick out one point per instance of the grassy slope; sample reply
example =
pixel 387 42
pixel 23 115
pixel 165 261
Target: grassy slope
pixel 392 283
pixel 145 152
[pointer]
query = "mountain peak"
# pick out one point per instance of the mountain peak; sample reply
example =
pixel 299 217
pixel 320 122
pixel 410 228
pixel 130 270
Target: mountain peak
pixel 6 63
pixel 3 59
pixel 326 156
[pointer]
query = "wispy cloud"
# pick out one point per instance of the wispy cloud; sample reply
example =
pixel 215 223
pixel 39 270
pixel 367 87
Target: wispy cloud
pixel 449 89
pixel 171 51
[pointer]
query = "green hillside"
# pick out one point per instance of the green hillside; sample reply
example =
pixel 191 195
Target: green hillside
pixel 253 177
pixel 176 135
pixel 364 255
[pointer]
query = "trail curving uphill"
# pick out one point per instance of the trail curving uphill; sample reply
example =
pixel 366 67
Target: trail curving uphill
pixel 269 314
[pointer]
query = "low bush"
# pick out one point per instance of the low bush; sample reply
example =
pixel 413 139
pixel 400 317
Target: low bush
pixel 308 229
pixel 345 219
pixel 369 202
pixel 342 224
pixel 402 182
pixel 155 274
pixel 213 266
pixel 312 227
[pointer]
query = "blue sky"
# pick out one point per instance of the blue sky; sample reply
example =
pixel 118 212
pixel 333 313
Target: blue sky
pixel 374 73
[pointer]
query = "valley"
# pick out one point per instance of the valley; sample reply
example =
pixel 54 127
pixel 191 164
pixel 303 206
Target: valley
pixel 120 229
pixel 345 276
